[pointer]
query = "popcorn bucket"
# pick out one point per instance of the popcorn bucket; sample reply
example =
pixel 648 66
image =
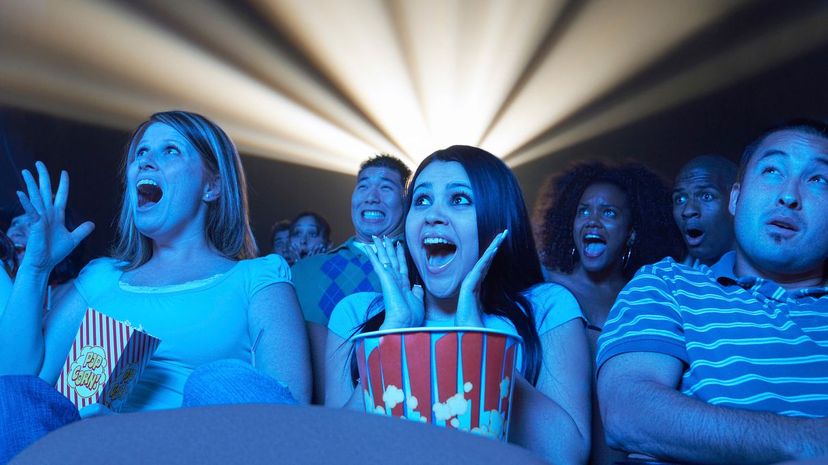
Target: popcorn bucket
pixel 105 362
pixel 460 378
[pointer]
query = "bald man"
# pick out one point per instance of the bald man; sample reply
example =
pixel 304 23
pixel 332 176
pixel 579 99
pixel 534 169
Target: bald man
pixel 700 198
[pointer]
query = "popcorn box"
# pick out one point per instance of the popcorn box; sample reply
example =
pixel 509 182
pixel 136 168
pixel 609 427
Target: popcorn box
pixel 460 378
pixel 105 361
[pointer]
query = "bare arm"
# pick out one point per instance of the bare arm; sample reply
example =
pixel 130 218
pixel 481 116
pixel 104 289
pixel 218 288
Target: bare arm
pixel 282 351
pixel 643 412
pixel 48 340
pixel 553 418
pixel 49 242
pixel 339 389
pixel 21 352
pixel 59 332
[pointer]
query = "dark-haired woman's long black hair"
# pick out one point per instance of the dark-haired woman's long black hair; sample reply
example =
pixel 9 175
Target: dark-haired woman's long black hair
pixel 499 205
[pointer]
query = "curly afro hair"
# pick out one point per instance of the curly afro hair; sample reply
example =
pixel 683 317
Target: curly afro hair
pixel 652 218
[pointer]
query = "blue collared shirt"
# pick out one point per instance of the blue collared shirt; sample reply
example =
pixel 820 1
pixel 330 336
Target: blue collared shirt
pixel 746 342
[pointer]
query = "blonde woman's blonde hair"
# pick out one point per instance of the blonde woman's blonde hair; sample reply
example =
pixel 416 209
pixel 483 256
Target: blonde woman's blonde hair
pixel 227 226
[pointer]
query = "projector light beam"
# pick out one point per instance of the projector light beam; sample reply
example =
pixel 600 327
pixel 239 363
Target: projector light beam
pixel 399 76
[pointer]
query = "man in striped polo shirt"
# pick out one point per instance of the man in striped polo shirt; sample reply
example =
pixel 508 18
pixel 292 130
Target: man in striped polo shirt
pixel 729 363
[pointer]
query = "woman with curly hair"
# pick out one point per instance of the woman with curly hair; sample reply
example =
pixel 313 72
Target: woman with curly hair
pixel 597 225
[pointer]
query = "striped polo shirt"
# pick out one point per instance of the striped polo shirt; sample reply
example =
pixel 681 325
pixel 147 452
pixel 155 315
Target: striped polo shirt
pixel 746 343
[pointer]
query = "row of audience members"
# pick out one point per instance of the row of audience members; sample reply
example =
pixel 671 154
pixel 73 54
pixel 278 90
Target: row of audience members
pixel 306 235
pixel 689 324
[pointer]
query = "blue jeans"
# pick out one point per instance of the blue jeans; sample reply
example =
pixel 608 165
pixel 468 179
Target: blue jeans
pixel 233 382
pixel 30 408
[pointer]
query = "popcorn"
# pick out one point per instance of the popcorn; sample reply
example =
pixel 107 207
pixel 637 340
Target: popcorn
pixel 369 401
pixel 496 423
pixel 392 396
pixel 455 405
pixel 492 424
pixel 454 378
pixel 504 388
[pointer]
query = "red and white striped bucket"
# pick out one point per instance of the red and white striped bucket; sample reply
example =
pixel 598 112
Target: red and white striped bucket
pixel 105 361
pixel 460 378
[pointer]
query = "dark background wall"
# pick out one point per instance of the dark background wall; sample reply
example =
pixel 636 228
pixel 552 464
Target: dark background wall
pixel 281 190
pixel 90 154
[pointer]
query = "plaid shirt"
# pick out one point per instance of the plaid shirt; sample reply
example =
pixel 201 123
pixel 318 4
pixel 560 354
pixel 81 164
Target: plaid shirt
pixel 323 280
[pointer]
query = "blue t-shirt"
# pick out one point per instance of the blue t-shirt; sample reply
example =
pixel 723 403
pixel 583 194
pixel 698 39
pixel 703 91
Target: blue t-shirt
pixel 197 322
pixel 552 304
pixel 745 342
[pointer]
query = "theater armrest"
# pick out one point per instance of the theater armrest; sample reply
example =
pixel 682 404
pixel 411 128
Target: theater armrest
pixel 263 434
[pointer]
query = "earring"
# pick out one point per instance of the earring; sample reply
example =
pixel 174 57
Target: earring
pixel 625 260
pixel 573 254
pixel 207 197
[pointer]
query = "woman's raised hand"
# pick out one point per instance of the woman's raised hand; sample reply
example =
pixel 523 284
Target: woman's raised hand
pixel 49 241
pixel 403 303
pixel 469 310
